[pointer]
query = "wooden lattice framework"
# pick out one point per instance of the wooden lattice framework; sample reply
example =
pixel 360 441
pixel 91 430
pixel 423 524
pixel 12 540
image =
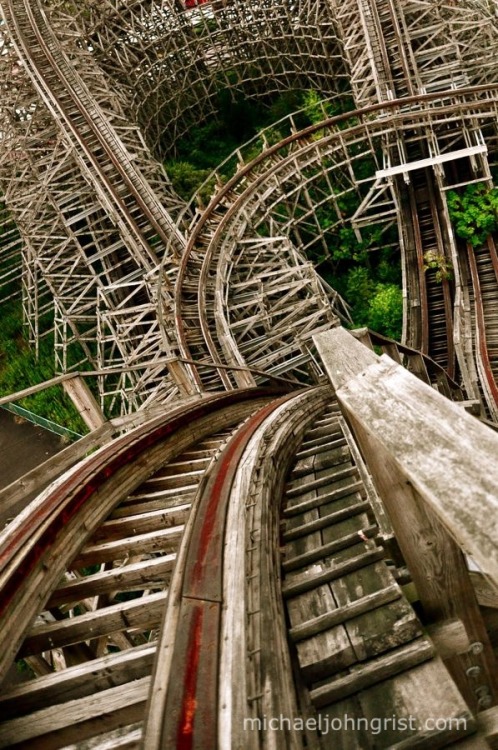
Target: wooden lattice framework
pixel 101 89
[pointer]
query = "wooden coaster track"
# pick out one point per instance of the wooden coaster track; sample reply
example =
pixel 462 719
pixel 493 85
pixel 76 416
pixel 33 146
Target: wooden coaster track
pixel 231 561
pixel 141 621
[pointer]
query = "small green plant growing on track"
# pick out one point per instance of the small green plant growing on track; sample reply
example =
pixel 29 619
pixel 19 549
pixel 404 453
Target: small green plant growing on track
pixel 474 212
pixel 439 262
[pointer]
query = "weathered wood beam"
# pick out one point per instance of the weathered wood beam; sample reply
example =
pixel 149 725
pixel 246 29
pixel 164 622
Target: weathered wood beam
pixel 435 469
pixel 449 638
pixel 487 594
pixel 84 401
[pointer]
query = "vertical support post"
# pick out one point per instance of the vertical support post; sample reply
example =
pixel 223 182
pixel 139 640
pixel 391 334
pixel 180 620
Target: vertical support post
pixel 427 478
pixel 84 401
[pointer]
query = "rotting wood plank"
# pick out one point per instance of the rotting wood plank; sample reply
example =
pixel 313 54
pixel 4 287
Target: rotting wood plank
pixel 327 520
pixel 302 507
pixel 150 521
pixel 78 681
pixel 326 550
pixel 293 588
pixel 374 671
pixel 486 592
pixel 135 576
pixel 164 540
pixel 344 613
pixel 403 709
pixel 93 708
pixel 139 614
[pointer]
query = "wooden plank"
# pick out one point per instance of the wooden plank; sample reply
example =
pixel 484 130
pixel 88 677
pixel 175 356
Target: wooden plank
pixel 429 711
pixel 294 490
pixel 449 638
pixel 345 613
pixel 294 588
pixel 341 358
pixel 375 671
pixel 165 518
pixel 317 460
pixel 326 550
pixel 486 592
pixel 349 470
pixel 84 401
pixel 487 724
pixel 164 540
pixel 302 507
pixel 455 482
pixel 133 577
pixel 127 697
pixel 431 161
pixel 139 614
pixel 128 737
pixel 328 520
pixel 78 681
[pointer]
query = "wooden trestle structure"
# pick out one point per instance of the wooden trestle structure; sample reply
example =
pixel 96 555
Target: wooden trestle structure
pixel 265 539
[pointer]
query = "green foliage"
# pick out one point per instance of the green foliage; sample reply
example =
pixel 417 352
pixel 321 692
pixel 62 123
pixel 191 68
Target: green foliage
pixel 20 369
pixel 385 313
pixel 237 120
pixel 186 178
pixel 474 212
pixel 360 288
pixel 375 304
pixel 318 109
pixel 440 263
pixel 23 668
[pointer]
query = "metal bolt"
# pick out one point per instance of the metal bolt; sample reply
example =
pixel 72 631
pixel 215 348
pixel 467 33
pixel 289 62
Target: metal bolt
pixel 473 671
pixel 482 691
pixel 476 647
pixel 485 701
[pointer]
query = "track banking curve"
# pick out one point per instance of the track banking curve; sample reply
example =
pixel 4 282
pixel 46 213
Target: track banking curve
pixel 230 560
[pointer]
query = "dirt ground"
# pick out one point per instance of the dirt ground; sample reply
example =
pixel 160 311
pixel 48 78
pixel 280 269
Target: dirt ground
pixel 23 446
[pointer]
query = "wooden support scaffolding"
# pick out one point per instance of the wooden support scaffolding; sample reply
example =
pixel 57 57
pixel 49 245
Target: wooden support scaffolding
pixel 432 522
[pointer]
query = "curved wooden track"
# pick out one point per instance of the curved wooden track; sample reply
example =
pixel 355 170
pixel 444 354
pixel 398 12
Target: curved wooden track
pixel 164 578
pixel 230 561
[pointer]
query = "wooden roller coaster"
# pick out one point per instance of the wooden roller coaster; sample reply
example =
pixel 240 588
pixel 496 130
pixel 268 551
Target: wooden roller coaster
pixel 276 534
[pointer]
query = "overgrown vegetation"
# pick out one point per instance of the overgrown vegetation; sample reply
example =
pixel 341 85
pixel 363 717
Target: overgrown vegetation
pixel 440 263
pixel 19 369
pixel 369 281
pixel 474 212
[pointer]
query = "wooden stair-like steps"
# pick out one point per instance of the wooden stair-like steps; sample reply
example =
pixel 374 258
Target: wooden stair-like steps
pixel 111 598
pixel 352 628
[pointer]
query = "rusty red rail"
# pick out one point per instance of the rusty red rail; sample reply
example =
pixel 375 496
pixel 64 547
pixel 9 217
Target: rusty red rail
pixel 190 709
pixel 480 322
pixel 76 505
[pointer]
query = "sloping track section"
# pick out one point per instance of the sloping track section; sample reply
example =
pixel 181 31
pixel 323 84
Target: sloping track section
pixel 137 279
pixel 94 209
pixel 144 590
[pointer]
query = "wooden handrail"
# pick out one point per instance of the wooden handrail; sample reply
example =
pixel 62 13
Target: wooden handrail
pixel 434 467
